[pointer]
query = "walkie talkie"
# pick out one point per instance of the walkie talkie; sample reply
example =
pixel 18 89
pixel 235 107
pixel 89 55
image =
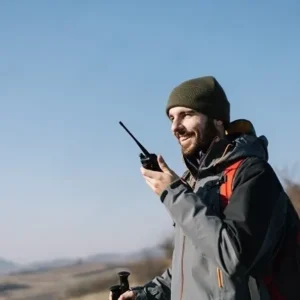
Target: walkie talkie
pixel 148 160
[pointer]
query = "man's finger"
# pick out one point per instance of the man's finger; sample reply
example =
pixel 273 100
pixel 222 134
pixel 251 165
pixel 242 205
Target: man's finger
pixel 163 165
pixel 153 184
pixel 150 173
pixel 150 182
pixel 129 295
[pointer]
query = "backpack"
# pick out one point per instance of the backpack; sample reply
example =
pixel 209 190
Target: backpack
pixel 283 279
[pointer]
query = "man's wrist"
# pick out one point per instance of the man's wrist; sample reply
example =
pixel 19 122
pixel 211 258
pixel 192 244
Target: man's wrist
pixel 174 184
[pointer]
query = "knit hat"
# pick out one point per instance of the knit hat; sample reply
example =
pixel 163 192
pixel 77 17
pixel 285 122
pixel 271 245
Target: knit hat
pixel 202 94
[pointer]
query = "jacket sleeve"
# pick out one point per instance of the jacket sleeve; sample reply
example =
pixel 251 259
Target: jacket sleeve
pixel 245 237
pixel 157 289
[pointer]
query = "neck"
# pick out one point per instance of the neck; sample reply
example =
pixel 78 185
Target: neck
pixel 202 158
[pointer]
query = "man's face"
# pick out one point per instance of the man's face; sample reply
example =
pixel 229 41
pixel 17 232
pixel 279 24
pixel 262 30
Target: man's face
pixel 193 130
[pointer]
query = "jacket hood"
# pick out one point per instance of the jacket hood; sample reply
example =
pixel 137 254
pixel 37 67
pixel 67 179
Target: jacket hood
pixel 223 152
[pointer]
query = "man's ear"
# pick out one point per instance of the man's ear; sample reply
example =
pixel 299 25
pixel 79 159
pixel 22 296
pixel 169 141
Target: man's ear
pixel 220 127
pixel 218 123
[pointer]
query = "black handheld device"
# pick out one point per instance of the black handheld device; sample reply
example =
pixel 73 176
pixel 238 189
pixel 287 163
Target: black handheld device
pixel 148 160
pixel 119 289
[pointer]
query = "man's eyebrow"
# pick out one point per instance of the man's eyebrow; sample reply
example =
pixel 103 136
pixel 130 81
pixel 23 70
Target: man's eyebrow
pixel 183 112
pixel 189 111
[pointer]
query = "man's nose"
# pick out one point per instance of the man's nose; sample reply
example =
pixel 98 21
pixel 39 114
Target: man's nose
pixel 176 126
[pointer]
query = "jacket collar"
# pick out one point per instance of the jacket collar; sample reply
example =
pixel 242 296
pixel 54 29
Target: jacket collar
pixel 216 150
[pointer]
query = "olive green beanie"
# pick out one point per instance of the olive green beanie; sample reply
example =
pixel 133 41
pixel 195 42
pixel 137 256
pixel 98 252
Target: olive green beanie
pixel 203 94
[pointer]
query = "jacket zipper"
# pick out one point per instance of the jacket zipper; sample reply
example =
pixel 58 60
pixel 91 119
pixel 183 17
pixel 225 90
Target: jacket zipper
pixel 182 258
pixel 219 272
pixel 182 273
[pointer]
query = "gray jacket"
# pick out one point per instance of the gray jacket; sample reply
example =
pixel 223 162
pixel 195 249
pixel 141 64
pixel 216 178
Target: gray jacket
pixel 222 254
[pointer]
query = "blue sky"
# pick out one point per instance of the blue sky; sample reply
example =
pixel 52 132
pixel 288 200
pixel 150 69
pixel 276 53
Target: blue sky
pixel 70 70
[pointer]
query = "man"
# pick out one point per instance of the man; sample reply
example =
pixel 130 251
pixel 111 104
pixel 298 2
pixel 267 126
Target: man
pixel 220 252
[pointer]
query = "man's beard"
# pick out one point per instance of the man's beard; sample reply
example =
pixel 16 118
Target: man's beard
pixel 198 139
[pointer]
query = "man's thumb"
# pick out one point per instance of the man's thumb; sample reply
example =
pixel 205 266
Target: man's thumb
pixel 162 164
pixel 129 295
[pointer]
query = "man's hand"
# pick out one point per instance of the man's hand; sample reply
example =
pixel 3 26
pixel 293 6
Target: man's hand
pixel 159 181
pixel 129 295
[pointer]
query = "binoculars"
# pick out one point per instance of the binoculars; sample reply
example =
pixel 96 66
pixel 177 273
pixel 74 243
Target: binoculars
pixel 118 289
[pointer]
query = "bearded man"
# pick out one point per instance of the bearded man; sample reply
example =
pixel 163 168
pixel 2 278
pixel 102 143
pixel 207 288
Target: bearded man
pixel 221 250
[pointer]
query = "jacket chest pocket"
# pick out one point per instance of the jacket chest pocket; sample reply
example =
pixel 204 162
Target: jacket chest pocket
pixel 209 194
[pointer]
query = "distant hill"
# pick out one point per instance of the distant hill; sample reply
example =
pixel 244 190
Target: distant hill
pixel 120 258
pixel 7 266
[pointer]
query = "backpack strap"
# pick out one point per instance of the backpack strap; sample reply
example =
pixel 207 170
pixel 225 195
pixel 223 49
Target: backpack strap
pixel 226 188
pixel 227 184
